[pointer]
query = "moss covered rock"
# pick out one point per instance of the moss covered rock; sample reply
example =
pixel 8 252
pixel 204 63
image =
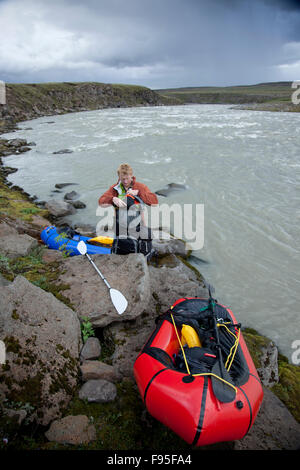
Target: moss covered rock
pixel 43 340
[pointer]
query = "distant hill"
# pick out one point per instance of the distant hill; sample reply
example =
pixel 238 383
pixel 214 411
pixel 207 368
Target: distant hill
pixel 26 101
pixel 271 96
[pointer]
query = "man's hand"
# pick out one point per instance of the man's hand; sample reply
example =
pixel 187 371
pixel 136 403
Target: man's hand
pixel 118 202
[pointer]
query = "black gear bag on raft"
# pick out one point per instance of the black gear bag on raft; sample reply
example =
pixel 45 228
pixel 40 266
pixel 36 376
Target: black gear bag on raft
pixel 131 235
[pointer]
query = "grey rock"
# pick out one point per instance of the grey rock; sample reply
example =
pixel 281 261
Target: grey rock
pixel 78 204
pixel 63 151
pixel 59 208
pixel 18 415
pixel 51 256
pixel 86 229
pixel 13 244
pixel 91 349
pixel 98 391
pixel 90 296
pixel 74 430
pixel 93 370
pixel 23 149
pixel 71 196
pixel 171 188
pixel 43 341
pixel 17 142
pixel 165 243
pixel 8 170
pixel 181 282
pixel 3 281
pixel 63 185
pixel 268 372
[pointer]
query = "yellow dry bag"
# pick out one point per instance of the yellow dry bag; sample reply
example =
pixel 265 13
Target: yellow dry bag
pixel 189 336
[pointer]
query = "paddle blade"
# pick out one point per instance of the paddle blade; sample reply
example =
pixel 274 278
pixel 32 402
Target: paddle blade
pixel 81 247
pixel 223 392
pixel 118 300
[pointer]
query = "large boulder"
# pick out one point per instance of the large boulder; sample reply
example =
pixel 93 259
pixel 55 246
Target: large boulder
pixel 32 228
pixel 60 208
pixel 91 298
pixel 43 340
pixel 173 279
pixel 13 244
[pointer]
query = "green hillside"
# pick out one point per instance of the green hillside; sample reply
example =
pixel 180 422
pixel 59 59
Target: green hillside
pixel 275 96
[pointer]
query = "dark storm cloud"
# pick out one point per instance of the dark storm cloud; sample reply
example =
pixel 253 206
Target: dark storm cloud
pixel 290 5
pixel 150 42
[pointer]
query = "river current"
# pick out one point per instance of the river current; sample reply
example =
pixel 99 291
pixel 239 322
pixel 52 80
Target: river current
pixel 243 166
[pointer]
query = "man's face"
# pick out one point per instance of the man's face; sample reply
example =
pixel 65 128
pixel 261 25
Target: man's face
pixel 125 179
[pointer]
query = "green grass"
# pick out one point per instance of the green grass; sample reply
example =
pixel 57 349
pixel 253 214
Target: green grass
pixel 32 266
pixel 16 205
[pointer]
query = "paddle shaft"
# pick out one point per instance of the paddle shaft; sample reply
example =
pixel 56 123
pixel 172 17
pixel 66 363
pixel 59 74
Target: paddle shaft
pixel 222 389
pixel 98 271
pixel 212 306
pixel 219 347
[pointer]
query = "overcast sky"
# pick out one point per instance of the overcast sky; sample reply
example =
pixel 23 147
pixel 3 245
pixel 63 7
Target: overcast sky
pixel 155 43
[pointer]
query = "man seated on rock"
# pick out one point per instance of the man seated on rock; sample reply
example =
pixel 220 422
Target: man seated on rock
pixel 117 195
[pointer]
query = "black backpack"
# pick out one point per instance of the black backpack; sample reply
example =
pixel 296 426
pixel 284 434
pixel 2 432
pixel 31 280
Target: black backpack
pixel 141 242
pixel 200 360
pixel 127 245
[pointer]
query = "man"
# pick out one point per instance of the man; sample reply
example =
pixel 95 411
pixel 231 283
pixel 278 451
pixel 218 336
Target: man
pixel 126 184
pixel 117 195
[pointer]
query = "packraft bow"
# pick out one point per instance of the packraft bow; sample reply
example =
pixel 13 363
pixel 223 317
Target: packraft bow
pixel 66 240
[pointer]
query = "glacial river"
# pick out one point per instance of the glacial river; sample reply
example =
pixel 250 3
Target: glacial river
pixel 243 167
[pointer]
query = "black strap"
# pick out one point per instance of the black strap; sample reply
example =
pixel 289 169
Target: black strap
pixel 202 411
pixel 151 380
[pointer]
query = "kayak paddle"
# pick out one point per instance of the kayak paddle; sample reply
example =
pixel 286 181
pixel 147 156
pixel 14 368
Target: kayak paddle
pixel 119 301
pixel 224 389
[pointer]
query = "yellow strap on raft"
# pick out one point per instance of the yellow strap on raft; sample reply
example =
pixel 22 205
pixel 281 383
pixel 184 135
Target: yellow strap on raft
pixel 233 349
pixel 189 336
pixel 103 240
pixel 186 364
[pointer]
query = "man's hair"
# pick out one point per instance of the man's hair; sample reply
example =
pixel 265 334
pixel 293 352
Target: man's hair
pixel 125 169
